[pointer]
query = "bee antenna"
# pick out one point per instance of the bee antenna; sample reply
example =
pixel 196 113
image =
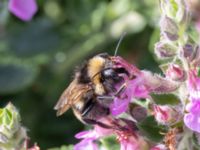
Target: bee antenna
pixel 118 44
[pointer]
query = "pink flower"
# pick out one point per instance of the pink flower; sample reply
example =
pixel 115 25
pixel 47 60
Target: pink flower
pixel 159 147
pixel 175 72
pixel 89 137
pixel 86 144
pixel 192 119
pixel 134 88
pixel 88 141
pixel 124 131
pixel 166 114
pixel 23 9
pixel 193 84
pixel 137 84
pixel 131 143
pixel 162 113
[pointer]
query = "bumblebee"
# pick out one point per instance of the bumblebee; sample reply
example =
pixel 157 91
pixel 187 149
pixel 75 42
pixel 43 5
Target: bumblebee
pixel 90 92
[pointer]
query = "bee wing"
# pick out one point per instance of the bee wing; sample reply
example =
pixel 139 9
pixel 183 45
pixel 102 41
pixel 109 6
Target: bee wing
pixel 70 96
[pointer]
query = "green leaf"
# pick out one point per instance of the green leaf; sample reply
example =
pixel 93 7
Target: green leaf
pixel 151 129
pixel 165 99
pixel 36 38
pixel 7 117
pixel 15 77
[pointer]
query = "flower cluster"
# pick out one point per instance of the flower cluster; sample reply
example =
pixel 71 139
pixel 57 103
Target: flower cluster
pixel 124 131
pixel 172 99
pixel 151 111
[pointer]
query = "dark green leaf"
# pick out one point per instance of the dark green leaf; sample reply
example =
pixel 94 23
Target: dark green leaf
pixel 15 77
pixel 151 129
pixel 38 37
pixel 165 99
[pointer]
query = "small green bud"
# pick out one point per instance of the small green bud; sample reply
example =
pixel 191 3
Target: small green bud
pixel 169 7
pixel 182 15
pixel 11 131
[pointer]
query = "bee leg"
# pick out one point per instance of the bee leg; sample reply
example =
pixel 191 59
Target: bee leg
pixel 87 108
pixel 94 122
pixel 121 89
pixel 111 97
pixel 104 97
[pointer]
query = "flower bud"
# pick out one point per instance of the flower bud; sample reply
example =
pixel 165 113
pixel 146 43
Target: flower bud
pixel 176 73
pixel 9 122
pixel 138 113
pixel 169 28
pixel 165 114
pixel 191 52
pixel 11 132
pixel 165 50
pixel 188 51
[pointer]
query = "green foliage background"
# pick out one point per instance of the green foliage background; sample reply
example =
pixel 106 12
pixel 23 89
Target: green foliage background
pixel 37 58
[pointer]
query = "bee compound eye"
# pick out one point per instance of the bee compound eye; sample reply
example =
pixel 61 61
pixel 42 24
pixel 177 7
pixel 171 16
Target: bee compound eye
pixel 108 73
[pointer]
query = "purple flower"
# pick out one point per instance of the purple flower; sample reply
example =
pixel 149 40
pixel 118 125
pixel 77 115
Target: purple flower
pixel 192 119
pixel 159 147
pixel 137 84
pixel 89 137
pixel 193 84
pixel 165 114
pixel 23 9
pixel 86 144
pixel 134 88
pixel 131 143
pixel 175 72
pixel 123 130
pixel 88 141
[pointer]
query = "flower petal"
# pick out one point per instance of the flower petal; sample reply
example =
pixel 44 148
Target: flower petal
pixel 86 144
pixel 86 134
pixel 23 9
pixel 119 106
pixel 192 119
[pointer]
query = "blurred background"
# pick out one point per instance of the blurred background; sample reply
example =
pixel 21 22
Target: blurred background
pixel 37 58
